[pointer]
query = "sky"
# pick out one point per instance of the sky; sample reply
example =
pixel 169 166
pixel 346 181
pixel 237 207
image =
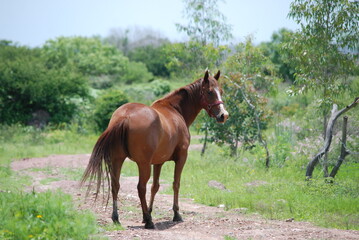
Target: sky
pixel 33 22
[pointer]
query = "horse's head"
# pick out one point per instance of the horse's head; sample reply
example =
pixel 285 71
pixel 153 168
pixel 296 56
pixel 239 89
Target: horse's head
pixel 211 99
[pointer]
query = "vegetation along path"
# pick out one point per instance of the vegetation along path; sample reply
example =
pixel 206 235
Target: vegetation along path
pixel 200 222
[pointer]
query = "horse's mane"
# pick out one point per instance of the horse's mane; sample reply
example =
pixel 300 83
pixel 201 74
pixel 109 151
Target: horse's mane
pixel 188 92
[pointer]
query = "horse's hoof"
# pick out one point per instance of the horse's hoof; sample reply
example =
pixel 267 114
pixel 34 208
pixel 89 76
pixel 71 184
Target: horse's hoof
pixel 177 218
pixel 149 225
pixel 116 222
pixel 115 219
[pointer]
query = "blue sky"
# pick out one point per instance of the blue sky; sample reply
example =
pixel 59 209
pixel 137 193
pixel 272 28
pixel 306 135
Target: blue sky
pixel 32 22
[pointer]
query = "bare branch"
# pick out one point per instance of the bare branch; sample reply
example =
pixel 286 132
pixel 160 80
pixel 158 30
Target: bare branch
pixel 329 135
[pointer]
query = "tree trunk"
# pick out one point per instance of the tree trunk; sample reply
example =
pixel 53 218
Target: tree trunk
pixel 205 141
pixel 260 138
pixel 329 135
pixel 325 164
pixel 343 152
pixel 325 159
pixel 234 148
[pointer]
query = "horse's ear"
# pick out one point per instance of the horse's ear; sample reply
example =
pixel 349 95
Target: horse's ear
pixel 217 75
pixel 205 78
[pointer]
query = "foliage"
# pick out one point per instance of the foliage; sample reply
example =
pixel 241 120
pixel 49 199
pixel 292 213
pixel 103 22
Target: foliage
pixel 88 55
pixel 91 57
pixel 43 216
pixel 322 50
pixel 248 72
pixel 206 24
pixel 129 39
pixel 136 72
pixel 160 87
pixel 154 58
pixel 252 63
pixel 273 50
pixel 241 127
pixel 147 93
pixel 105 105
pixel 28 85
pixel 187 58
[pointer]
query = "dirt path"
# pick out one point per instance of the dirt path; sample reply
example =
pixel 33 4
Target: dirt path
pixel 200 222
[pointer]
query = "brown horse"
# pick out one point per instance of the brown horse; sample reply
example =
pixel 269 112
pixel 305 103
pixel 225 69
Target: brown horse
pixel 151 136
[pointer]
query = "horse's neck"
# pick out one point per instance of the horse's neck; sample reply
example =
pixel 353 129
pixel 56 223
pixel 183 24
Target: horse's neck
pixel 186 101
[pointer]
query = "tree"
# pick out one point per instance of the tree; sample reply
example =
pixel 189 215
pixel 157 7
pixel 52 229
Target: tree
pixel 128 39
pixel 154 58
pixel 93 58
pixel 206 23
pixel 273 50
pixel 187 58
pixel 88 55
pixel 247 71
pixel 322 50
pixel 105 105
pixel 28 85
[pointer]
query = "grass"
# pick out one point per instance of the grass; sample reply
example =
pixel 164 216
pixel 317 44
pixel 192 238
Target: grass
pixel 48 215
pixel 277 193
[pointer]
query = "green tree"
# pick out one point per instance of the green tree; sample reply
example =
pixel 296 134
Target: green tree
pixel 105 105
pixel 273 50
pixel 88 55
pixel 191 57
pixel 206 24
pixel 154 58
pixel 93 58
pixel 322 50
pixel 247 73
pixel 28 85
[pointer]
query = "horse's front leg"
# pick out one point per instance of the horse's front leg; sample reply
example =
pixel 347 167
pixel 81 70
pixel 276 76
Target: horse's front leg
pixel 179 164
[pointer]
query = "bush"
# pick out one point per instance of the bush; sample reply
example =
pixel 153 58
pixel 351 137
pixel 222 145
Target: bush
pixel 136 72
pixel 28 86
pixel 160 87
pixel 105 105
pixel 154 58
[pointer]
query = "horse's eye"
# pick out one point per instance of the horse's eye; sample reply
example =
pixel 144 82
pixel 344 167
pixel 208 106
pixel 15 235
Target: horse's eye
pixel 210 93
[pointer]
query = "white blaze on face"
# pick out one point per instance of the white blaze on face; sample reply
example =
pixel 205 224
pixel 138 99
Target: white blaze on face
pixel 221 107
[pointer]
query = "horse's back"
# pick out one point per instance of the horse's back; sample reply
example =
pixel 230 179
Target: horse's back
pixel 153 134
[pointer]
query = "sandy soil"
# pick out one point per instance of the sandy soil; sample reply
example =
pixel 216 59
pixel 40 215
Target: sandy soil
pixel 200 221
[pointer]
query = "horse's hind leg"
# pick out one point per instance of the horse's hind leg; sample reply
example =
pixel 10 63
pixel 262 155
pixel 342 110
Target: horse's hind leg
pixel 117 162
pixel 144 176
pixel 155 184
pixel 179 164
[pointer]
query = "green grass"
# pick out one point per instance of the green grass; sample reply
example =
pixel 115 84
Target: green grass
pixel 48 215
pixel 281 192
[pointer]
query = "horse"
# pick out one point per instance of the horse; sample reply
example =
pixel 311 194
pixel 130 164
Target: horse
pixel 152 135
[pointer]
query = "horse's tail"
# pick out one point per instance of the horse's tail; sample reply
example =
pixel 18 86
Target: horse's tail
pixel 99 167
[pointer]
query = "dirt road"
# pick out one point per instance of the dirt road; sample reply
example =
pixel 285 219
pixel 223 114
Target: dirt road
pixel 200 222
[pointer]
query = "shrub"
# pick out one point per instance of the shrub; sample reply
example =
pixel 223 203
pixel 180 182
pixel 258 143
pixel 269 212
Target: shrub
pixel 136 72
pixel 160 87
pixel 105 105
pixel 28 86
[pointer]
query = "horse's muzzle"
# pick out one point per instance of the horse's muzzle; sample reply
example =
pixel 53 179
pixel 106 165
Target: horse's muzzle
pixel 222 117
